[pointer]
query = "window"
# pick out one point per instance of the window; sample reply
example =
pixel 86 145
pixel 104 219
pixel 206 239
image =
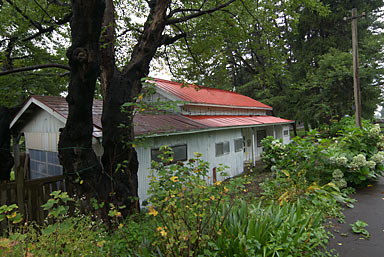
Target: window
pixel 286 133
pixel 222 148
pixel 44 164
pixel 238 145
pixel 261 134
pixel 179 153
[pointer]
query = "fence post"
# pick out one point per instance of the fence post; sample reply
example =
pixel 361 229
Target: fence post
pixel 20 183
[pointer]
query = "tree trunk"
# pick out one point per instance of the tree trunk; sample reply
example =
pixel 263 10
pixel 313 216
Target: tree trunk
pixel 75 145
pixel 120 158
pixel 6 159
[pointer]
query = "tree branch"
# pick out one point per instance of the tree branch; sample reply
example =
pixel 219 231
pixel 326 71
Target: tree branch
pixel 62 21
pixel 35 67
pixel 197 14
pixel 35 24
pixel 167 40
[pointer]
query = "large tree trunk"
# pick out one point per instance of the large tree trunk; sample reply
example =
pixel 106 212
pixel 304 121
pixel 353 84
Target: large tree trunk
pixel 122 87
pixel 75 145
pixel 6 159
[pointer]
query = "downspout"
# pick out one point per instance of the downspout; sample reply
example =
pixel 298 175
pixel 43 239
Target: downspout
pixel 274 131
pixel 253 147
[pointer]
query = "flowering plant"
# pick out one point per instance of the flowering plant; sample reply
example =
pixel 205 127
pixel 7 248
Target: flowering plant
pixel 186 206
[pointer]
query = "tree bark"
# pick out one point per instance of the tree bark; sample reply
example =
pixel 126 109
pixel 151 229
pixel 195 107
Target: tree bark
pixel 6 159
pixel 122 87
pixel 75 145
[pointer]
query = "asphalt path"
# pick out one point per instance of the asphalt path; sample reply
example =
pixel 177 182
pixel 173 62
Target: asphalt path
pixel 369 208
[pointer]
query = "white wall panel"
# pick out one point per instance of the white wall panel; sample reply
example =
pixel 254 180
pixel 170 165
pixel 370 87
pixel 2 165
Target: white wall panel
pixel 203 143
pixel 43 122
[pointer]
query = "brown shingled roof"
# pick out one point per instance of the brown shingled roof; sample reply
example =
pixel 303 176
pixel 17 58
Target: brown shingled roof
pixel 143 123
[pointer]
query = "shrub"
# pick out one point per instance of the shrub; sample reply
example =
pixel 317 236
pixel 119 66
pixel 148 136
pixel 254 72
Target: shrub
pixel 352 158
pixel 187 209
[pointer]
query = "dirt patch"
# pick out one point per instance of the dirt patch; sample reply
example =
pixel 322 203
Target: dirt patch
pixel 253 189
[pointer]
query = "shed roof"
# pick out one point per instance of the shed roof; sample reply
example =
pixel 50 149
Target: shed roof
pixel 146 124
pixel 231 121
pixel 205 95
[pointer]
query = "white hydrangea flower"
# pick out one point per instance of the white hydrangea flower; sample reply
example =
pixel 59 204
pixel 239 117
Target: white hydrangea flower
pixel 371 164
pixel 337 174
pixel 374 131
pixel 342 160
pixel 378 157
pixel 358 161
pixel 340 183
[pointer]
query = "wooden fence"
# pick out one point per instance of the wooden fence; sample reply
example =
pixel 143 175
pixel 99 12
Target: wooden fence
pixel 29 194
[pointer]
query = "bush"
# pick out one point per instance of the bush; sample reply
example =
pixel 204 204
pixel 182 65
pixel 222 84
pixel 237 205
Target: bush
pixel 187 209
pixel 351 158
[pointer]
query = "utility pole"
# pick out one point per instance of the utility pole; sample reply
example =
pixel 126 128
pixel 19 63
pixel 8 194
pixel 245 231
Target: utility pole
pixel 356 80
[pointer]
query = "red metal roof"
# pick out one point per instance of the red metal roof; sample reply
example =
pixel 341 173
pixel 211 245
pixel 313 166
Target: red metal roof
pixel 206 95
pixel 229 121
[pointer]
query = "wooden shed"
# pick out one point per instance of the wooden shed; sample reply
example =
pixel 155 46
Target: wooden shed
pixel 224 126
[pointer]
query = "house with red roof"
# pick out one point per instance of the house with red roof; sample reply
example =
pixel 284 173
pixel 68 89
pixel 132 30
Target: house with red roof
pixel 225 127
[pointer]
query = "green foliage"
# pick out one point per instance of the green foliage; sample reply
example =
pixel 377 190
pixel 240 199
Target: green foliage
pixel 359 228
pixel 132 237
pixel 344 155
pixel 274 230
pixel 22 46
pixel 57 205
pixel 293 55
pixel 187 208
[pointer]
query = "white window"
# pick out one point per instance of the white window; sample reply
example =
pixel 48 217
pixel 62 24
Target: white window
pixel 44 164
pixel 286 133
pixel 222 148
pixel 179 153
pixel 238 145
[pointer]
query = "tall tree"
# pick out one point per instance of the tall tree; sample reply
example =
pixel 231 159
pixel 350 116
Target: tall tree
pixel 94 25
pixel 276 51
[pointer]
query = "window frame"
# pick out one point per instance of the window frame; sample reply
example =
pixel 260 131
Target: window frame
pixel 155 152
pixel 225 146
pixel 47 159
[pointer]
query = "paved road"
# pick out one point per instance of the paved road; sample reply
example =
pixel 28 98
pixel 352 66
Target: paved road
pixel 369 208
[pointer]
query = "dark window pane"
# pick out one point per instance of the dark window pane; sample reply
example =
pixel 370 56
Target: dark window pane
pixel 41 168
pixel 219 149
pixel 238 145
pixel 179 153
pixel 155 155
pixel 43 156
pixel 226 148
pixel 33 154
pixel 53 157
pixel 261 134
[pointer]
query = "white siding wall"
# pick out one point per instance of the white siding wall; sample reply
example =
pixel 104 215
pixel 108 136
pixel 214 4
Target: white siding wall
pixel 203 143
pixel 42 132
